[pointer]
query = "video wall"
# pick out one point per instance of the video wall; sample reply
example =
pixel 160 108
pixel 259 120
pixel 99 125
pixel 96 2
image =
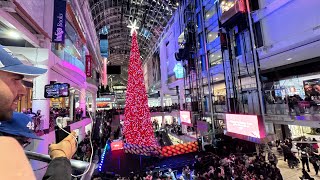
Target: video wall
pixel 247 127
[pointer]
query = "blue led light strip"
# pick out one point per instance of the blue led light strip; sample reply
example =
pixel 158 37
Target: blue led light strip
pixel 102 157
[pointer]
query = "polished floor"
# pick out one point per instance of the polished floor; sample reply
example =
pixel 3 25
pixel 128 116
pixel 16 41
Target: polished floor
pixel 293 174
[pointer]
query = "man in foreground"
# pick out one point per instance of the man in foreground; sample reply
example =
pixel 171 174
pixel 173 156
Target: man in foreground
pixel 13 162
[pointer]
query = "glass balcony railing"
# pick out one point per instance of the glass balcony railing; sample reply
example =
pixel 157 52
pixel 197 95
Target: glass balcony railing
pixel 212 21
pixel 69 58
pixel 215 44
pixel 73 60
pixel 220 108
pixel 293 106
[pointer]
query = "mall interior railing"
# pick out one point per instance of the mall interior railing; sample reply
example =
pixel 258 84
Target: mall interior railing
pixel 297 109
pixel 73 60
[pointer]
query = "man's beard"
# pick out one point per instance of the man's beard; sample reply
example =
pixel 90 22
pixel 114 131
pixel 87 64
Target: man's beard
pixel 6 116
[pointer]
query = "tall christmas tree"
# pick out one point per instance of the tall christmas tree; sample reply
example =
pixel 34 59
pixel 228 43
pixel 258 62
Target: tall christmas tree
pixel 138 128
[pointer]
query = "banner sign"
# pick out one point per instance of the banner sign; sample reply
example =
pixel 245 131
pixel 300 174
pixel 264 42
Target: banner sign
pixel 88 65
pixel 59 21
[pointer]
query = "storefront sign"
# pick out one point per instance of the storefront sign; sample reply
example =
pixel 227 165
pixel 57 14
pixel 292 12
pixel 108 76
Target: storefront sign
pixel 88 65
pixel 106 99
pixel 59 21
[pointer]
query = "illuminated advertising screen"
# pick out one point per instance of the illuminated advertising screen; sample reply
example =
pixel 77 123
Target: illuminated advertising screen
pixel 56 90
pixel 247 125
pixel 116 145
pixel 185 117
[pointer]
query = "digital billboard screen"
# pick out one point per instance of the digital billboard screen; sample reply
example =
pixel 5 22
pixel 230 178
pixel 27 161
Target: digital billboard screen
pixel 185 117
pixel 56 90
pixel 116 145
pixel 247 125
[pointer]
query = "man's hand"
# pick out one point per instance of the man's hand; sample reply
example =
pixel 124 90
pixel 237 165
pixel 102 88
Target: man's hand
pixel 66 148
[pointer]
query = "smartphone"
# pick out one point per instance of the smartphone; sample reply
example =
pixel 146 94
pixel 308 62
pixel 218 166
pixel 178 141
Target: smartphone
pixel 60 134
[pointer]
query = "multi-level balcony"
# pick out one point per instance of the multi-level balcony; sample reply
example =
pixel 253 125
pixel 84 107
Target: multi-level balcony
pixel 291 109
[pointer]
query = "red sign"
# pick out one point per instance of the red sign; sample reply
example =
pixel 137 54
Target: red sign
pixel 116 145
pixel 88 65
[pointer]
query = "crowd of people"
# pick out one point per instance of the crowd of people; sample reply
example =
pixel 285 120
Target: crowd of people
pixel 231 160
pixel 84 150
pixel 237 167
pixel 305 151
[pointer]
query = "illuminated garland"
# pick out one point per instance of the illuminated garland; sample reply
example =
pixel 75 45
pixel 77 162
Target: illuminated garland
pixel 102 157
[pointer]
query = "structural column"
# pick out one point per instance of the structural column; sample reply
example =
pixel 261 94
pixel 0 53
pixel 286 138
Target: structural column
pixel 82 101
pixel 39 102
pixel 94 103
pixel 71 106
pixel 182 96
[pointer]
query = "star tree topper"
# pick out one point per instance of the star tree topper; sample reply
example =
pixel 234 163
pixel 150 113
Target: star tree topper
pixel 133 26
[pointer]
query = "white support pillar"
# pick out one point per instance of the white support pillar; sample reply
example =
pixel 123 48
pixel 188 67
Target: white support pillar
pixel 94 104
pixel 161 98
pixel 39 102
pixel 71 106
pixel 182 96
pixel 82 101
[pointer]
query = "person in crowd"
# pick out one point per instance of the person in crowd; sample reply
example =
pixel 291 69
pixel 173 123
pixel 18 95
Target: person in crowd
pixel 286 150
pixel 12 72
pixel 292 160
pixel 315 145
pixel 170 174
pixel 277 142
pixel 272 159
pixel 314 160
pixel 305 160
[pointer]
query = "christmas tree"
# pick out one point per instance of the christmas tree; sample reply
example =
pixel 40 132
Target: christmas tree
pixel 138 128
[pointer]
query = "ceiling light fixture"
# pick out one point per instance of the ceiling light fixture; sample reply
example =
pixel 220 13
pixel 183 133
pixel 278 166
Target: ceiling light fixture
pixel 289 59
pixel 14 34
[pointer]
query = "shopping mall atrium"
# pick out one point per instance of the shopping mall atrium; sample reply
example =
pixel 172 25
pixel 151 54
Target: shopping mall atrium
pixel 160 89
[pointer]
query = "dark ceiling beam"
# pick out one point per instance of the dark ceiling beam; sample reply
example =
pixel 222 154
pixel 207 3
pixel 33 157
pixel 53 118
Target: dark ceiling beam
pixel 111 3
pixel 110 16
